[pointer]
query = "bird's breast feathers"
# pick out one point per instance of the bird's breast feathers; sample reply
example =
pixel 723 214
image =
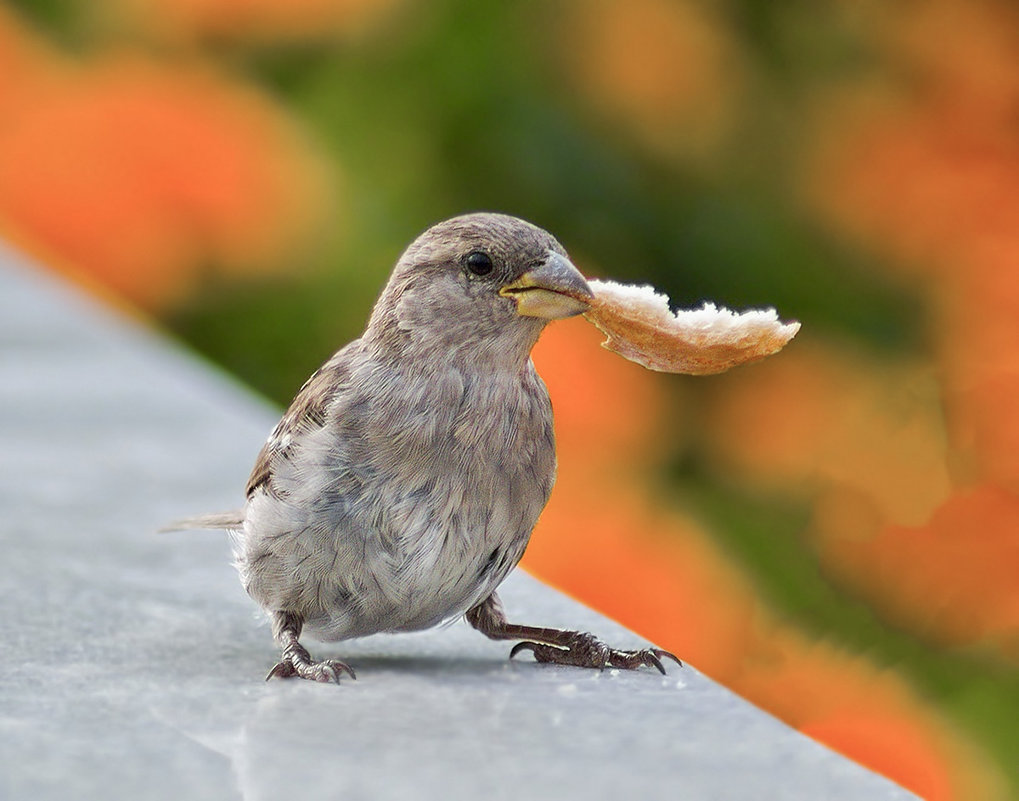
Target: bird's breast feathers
pixel 409 499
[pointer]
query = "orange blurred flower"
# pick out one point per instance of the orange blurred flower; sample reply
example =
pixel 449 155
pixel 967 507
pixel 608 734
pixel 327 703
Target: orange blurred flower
pixel 142 174
pixel 868 443
pixel 922 184
pixel 590 421
pixel 953 580
pixel 868 714
pixel 818 418
pixel 979 350
pixel 926 171
pixel 922 163
pixel 667 72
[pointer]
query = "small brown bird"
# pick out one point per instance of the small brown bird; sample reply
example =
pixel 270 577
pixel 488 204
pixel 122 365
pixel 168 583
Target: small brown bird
pixel 403 483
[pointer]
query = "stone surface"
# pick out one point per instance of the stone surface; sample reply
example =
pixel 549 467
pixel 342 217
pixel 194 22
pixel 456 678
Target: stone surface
pixel 132 662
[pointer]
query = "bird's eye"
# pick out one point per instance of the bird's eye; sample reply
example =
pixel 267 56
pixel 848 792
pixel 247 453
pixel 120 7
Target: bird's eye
pixel 479 263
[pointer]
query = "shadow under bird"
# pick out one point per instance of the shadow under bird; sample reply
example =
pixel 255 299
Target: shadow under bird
pixel 402 485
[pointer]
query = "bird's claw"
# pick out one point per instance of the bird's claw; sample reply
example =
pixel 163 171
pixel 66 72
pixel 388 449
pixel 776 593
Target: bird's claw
pixel 586 650
pixel 651 657
pixel 326 671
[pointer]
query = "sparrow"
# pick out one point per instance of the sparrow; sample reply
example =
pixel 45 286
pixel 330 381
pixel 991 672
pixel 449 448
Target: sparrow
pixel 402 485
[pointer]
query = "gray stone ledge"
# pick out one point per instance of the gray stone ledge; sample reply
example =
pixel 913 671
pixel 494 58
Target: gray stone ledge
pixel 132 662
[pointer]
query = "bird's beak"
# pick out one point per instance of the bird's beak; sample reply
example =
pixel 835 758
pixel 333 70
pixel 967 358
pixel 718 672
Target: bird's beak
pixel 552 290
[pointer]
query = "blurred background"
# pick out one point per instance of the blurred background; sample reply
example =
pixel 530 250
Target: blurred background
pixel 833 533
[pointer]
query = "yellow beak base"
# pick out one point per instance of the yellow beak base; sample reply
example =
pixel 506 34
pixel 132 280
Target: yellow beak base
pixel 553 290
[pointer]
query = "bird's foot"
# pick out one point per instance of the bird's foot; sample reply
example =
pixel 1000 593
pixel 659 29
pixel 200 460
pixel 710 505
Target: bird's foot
pixel 297 661
pixel 582 649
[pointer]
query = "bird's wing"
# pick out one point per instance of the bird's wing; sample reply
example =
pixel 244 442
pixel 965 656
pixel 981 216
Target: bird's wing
pixel 307 413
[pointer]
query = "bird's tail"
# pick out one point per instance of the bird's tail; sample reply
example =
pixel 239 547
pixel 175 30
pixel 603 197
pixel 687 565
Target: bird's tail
pixel 227 520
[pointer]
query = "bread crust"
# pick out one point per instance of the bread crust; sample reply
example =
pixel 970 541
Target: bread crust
pixel 641 327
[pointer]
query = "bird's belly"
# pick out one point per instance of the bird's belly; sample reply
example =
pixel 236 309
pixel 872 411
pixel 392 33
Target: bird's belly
pixel 417 565
pixel 433 575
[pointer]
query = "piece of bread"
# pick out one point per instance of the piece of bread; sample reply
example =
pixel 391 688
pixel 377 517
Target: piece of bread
pixel 641 327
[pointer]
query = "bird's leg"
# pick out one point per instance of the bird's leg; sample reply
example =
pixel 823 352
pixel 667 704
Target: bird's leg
pixel 296 661
pixel 560 646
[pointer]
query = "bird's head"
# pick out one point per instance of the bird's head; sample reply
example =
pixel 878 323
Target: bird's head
pixel 483 284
